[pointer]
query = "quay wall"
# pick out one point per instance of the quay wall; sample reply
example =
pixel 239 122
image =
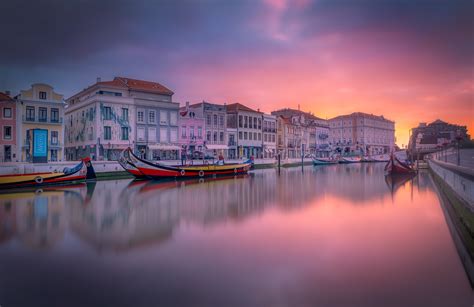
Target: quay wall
pixel 112 168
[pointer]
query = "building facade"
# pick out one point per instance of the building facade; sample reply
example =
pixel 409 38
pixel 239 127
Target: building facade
pixel 301 133
pixel 428 137
pixel 109 116
pixel 191 132
pixel 362 133
pixel 40 125
pixel 269 138
pixel 248 124
pixel 215 123
pixel 8 141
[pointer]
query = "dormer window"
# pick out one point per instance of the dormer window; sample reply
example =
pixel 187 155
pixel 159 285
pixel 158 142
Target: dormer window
pixel 42 95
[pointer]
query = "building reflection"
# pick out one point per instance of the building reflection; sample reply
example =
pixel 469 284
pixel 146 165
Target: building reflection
pixel 122 214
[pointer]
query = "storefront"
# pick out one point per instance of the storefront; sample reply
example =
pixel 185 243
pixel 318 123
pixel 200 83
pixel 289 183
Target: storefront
pixel 164 152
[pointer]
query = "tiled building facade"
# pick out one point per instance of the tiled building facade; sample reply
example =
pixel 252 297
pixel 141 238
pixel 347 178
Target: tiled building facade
pixel 8 140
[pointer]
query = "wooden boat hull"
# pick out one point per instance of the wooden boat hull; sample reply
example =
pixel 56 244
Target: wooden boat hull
pixel 127 162
pixel 317 161
pixel 347 160
pixel 158 171
pixel 82 171
pixel 395 166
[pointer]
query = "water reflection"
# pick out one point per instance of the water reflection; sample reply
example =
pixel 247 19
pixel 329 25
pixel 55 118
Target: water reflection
pixel 333 236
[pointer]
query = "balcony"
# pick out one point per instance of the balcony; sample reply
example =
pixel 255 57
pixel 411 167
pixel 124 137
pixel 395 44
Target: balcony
pixel 55 121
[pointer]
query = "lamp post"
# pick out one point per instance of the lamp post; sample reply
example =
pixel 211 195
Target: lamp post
pixel 458 139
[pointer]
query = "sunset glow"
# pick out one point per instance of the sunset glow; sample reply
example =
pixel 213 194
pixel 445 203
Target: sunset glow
pixel 409 61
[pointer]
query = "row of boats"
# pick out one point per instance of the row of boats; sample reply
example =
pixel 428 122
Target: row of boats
pixel 350 159
pixel 144 169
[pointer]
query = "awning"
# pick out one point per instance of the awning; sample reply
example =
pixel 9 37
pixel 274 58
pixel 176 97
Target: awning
pixel 216 147
pixel 164 147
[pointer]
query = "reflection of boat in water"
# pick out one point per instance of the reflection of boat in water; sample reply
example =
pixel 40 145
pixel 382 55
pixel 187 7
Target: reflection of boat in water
pixel 395 181
pixel 324 161
pixel 160 171
pixel 82 171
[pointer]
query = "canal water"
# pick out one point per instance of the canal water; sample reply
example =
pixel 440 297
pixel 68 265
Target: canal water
pixel 337 235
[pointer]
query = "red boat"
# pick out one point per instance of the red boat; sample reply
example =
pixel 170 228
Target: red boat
pixel 158 171
pixel 396 167
pixel 128 162
pixel 80 172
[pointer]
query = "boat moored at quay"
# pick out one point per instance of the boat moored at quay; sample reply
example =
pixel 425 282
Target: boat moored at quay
pixel 154 170
pixel 81 172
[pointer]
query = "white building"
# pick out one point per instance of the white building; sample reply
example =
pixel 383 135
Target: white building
pixel 361 132
pixel 109 116
pixel 269 132
pixel 248 123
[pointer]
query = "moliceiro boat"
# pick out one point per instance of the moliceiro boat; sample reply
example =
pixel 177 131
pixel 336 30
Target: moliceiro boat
pixel 157 171
pixel 397 167
pixel 128 163
pixel 350 159
pixel 82 171
pixel 324 161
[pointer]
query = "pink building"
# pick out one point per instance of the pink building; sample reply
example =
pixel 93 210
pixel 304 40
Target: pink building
pixel 191 131
pixel 8 144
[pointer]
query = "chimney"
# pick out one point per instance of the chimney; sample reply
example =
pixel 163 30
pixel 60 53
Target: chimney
pixel 187 106
pixel 98 79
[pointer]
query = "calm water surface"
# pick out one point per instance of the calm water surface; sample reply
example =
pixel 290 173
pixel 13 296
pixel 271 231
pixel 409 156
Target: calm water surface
pixel 329 236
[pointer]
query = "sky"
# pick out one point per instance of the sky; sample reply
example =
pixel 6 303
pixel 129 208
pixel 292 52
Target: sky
pixel 409 60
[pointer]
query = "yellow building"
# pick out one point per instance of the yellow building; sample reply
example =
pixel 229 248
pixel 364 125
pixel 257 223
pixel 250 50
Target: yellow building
pixel 40 124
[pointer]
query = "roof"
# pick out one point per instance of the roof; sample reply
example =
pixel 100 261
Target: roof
pixel 235 107
pixel 5 97
pixel 292 112
pixel 132 84
pixel 438 122
pixel 363 115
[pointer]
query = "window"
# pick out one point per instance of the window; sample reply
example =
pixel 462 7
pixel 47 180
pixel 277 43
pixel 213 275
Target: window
pixel 240 121
pixel 173 135
pixel 42 95
pixel 255 136
pixel 259 123
pixel 191 131
pixel 164 135
pixel 140 116
pixel 259 136
pixel 208 120
pixel 200 132
pixel 7 132
pixel 245 136
pixel 125 114
pixel 246 121
pixel 43 114
pixel 221 136
pixel 215 136
pixel 215 121
pixel 54 155
pixel 183 132
pixel 124 133
pixel 151 117
pixel 107 113
pixel 109 93
pixel 107 133
pixel 221 121
pixel 240 135
pixel 55 115
pixel 7 113
pixel 250 136
pixel 152 134
pixel 163 118
pixel 91 134
pixel 173 118
pixel 54 138
pixel 250 122
pixel 208 136
pixel 141 134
